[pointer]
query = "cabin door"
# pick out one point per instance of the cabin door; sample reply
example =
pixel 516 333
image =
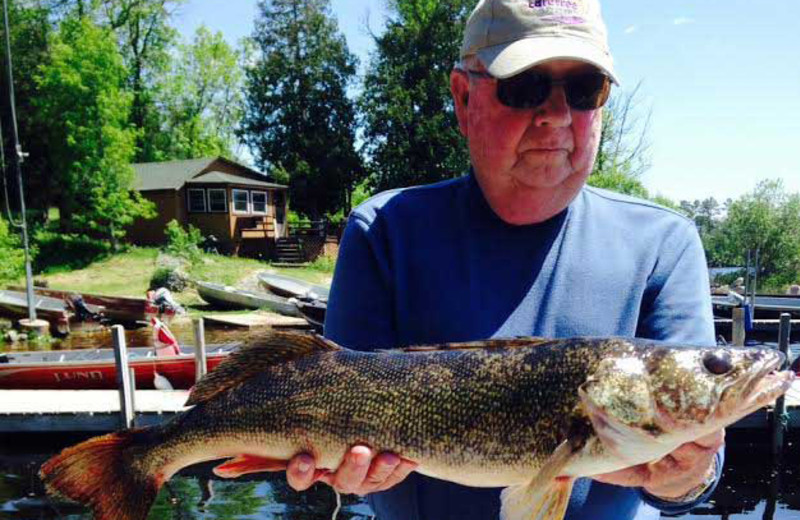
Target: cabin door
pixel 280 214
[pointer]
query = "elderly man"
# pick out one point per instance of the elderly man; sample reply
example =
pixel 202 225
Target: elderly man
pixel 520 246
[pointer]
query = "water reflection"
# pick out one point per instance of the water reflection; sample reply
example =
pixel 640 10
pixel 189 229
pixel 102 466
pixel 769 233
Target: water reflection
pixel 751 489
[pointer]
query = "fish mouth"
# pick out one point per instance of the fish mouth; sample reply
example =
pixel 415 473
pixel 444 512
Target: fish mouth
pixel 765 385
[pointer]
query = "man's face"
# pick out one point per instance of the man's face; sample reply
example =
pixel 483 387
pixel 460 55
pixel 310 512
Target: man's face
pixel 529 163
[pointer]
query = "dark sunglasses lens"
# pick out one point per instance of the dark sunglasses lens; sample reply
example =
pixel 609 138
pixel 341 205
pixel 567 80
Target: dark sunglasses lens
pixel 588 91
pixel 526 90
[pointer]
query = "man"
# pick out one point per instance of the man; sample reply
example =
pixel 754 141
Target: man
pixel 521 246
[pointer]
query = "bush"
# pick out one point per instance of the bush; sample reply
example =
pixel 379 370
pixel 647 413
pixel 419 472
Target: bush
pixel 65 251
pixel 184 244
pixel 12 256
pixel 170 277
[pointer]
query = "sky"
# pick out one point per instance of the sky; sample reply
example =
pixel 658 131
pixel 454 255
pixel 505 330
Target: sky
pixel 721 77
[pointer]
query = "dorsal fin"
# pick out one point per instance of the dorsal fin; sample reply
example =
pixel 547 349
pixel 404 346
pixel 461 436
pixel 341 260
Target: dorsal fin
pixel 251 359
pixel 527 341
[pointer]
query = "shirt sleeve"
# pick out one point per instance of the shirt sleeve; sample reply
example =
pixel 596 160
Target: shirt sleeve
pixel 360 313
pixel 677 302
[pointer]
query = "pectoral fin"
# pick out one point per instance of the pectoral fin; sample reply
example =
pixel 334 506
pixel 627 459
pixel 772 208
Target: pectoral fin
pixel 244 464
pixel 546 496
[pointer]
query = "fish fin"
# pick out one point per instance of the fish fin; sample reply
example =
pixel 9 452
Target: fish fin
pixel 252 359
pixel 546 496
pixel 530 341
pixel 97 473
pixel 245 464
pixel 530 502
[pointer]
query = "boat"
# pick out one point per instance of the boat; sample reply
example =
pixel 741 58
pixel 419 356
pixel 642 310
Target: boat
pixel 61 314
pixel 95 369
pixel 116 309
pixel 289 287
pixel 313 311
pixel 227 297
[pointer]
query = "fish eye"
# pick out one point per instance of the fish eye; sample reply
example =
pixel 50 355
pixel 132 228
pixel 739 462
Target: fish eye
pixel 718 362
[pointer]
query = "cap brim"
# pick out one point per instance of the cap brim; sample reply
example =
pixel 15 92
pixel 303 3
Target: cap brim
pixel 503 61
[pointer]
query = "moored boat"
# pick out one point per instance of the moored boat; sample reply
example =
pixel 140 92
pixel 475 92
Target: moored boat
pixel 95 369
pixel 116 309
pixel 289 287
pixel 226 297
pixel 58 312
pixel 313 311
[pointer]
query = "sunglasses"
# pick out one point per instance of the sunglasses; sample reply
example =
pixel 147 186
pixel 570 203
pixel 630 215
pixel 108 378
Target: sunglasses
pixel 529 89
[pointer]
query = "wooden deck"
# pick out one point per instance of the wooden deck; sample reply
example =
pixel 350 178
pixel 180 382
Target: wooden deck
pixel 98 410
pixel 254 319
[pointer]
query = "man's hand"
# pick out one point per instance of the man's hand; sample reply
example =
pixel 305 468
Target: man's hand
pixel 360 473
pixel 676 474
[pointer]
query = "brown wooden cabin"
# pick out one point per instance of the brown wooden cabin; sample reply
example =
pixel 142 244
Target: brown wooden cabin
pixel 224 199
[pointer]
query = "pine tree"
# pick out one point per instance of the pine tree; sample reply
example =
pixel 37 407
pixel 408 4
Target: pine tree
pixel 298 118
pixel 411 131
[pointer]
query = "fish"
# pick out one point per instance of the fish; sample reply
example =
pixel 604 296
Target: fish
pixel 530 415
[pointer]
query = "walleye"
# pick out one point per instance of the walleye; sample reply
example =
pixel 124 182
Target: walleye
pixel 527 414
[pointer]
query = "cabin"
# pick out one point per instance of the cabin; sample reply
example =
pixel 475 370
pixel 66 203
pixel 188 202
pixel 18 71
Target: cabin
pixel 236 205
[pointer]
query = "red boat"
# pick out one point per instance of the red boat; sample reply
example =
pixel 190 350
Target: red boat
pixel 95 369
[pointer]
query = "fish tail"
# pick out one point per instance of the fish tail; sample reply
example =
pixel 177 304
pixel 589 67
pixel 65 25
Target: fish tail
pixel 100 474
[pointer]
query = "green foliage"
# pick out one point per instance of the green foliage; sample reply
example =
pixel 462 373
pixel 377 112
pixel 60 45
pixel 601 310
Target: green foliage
pixel 201 99
pixel 92 146
pixel 410 127
pixel 767 219
pixel 297 115
pixel 59 251
pixel 619 182
pixel 12 255
pixel 184 243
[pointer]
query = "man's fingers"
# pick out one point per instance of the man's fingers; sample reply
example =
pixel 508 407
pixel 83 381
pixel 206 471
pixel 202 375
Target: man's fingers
pixel 712 441
pixel 399 474
pixel 383 465
pixel 353 470
pixel 300 472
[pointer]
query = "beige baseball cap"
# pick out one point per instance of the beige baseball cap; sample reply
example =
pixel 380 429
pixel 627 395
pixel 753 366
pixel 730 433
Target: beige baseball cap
pixel 510 36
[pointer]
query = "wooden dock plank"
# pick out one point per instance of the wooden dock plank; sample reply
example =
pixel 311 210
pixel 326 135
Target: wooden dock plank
pixel 254 319
pixel 22 402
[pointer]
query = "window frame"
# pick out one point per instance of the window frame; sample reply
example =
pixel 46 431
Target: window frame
pixel 189 200
pixel 253 202
pixel 233 201
pixel 224 200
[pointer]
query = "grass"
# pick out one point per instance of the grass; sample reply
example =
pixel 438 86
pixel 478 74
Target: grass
pixel 125 274
pixel 129 273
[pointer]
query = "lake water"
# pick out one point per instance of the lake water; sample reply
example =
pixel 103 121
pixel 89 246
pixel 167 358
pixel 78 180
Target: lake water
pixel 751 489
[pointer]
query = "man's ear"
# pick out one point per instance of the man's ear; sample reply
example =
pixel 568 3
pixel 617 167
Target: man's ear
pixel 459 88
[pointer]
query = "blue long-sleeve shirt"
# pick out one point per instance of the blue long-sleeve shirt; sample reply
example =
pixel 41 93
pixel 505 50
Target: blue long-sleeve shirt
pixel 434 264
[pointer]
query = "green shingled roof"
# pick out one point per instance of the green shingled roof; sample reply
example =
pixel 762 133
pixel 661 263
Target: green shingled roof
pixel 172 175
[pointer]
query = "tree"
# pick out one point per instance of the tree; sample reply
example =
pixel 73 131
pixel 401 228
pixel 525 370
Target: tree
pixel 622 155
pixel 410 127
pixel 30 30
pixel 297 115
pixel 202 99
pixel 92 145
pixel 767 219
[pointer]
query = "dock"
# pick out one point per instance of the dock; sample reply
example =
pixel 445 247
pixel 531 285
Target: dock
pixel 93 411
pixel 253 320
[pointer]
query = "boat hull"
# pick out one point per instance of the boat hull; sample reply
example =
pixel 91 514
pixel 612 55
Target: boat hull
pixel 101 374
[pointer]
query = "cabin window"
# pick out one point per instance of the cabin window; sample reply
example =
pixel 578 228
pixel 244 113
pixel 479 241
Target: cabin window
pixel 241 201
pixel 217 201
pixel 197 200
pixel 259 199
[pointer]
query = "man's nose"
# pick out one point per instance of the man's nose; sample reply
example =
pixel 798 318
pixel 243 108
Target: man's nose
pixel 554 111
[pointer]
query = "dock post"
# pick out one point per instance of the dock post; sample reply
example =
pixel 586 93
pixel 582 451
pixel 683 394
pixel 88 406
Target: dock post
pixel 779 419
pixel 737 334
pixel 200 364
pixel 123 377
